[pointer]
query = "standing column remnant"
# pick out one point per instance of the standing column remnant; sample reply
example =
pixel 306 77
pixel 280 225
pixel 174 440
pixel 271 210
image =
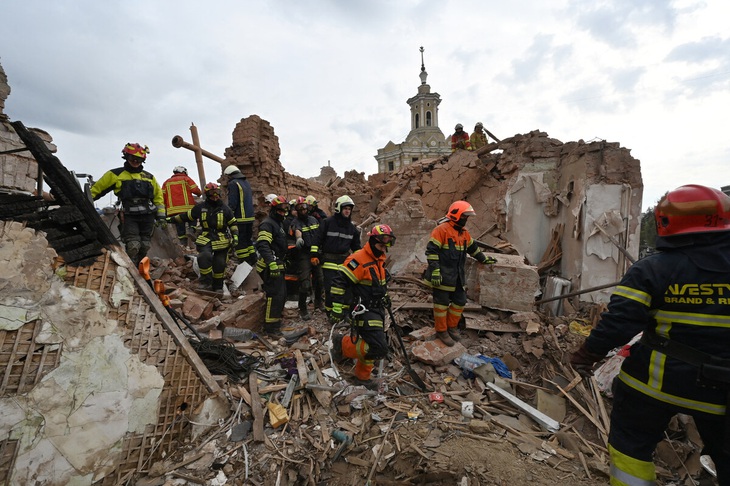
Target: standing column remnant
pixel 178 141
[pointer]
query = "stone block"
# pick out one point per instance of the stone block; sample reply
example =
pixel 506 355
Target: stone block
pixel 194 306
pixel 508 285
pixel 436 353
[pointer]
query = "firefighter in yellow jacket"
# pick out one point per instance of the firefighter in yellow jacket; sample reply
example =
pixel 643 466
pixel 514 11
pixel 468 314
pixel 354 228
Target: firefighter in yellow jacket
pixel 679 299
pixel 361 285
pixel 446 252
pixel 141 198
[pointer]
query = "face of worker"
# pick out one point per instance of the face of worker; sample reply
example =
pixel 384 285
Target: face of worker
pixel 133 160
pixel 346 211
pixel 383 242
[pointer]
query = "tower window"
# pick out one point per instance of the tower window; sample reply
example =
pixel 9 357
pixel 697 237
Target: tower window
pixel 418 120
pixel 428 118
pixel 390 165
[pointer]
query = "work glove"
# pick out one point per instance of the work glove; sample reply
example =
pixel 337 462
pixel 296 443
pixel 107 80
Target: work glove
pixel 386 301
pixel 235 239
pixel 170 220
pixel 489 260
pixel 583 360
pixel 161 222
pixel 300 242
pixel 436 277
pixel 314 261
pixel 274 271
pixel 336 314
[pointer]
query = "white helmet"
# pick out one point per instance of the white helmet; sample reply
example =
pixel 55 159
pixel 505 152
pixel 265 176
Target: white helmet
pixel 269 197
pixel 458 126
pixel 180 170
pixel 343 201
pixel 231 169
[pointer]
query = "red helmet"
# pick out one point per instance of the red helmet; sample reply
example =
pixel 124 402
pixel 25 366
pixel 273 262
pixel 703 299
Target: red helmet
pixel 212 188
pixel 279 201
pixel 382 233
pixel 459 209
pixel 692 209
pixel 301 201
pixel 136 150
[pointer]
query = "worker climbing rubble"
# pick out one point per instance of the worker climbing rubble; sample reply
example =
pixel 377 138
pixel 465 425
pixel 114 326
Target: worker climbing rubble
pixel 179 193
pixel 338 238
pixel 446 252
pixel 361 285
pixel 478 138
pixel 141 199
pixel 219 233
pixel 678 299
pixel 460 139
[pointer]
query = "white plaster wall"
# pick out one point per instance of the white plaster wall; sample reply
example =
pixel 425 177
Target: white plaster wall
pixel 527 227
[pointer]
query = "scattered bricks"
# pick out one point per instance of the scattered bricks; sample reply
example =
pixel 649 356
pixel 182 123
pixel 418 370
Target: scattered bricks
pixel 437 353
pixel 424 334
pixel 194 307
pixel 480 426
pixel 246 312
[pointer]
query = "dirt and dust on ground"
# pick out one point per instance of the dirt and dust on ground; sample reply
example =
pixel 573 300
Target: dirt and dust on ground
pixel 297 419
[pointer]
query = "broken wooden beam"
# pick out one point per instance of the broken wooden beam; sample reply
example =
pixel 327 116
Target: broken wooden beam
pixel 545 422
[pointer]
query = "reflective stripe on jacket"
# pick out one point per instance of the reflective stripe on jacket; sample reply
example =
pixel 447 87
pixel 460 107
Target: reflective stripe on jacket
pixel 356 274
pixel 136 190
pixel 177 192
pixel 216 220
pixel 682 295
pixel 447 249
pixel 240 198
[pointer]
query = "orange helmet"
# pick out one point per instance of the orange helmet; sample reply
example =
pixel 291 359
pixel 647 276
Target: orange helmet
pixel 212 189
pixel 279 201
pixel 692 209
pixel 382 233
pixel 136 150
pixel 459 209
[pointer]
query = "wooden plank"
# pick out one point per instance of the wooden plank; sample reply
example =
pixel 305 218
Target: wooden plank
pixel 302 368
pixel 256 409
pixel 428 306
pixel 322 396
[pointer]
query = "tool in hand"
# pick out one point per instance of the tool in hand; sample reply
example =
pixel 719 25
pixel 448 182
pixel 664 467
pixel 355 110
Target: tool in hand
pixel 417 379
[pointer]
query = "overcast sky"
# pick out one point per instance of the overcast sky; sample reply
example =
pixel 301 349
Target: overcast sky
pixel 332 77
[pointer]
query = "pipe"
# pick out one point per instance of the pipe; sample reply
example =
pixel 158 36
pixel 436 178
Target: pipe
pixel 178 142
pixel 577 292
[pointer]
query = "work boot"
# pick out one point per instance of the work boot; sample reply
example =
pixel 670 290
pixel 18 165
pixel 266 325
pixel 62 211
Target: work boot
pixel 454 333
pixel 445 338
pixel 319 305
pixel 292 334
pixel 370 383
pixel 337 356
pixel 305 315
pixel 205 282
pixel 273 330
pixel 303 312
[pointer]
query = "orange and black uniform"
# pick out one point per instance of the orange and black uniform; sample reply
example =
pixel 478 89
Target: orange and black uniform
pixel 177 192
pixel 680 299
pixel 362 280
pixel 446 250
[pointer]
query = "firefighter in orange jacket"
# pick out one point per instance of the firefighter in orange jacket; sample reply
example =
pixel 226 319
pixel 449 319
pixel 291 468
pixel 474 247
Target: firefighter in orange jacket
pixel 678 299
pixel 177 192
pixel 363 279
pixel 460 139
pixel 446 254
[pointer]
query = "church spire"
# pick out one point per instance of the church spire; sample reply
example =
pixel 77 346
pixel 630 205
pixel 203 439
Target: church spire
pixel 423 74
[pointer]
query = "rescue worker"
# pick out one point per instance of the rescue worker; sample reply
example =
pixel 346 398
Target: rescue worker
pixel 478 139
pixel 219 233
pixel 315 210
pixel 446 252
pixel 305 228
pixel 178 193
pixel 678 298
pixel 271 246
pixel 240 200
pixel 141 198
pixel 317 274
pixel 460 139
pixel 338 238
pixel 363 279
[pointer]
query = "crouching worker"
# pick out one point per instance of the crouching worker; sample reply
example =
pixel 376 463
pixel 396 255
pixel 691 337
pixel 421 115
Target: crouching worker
pixel 363 277
pixel 219 234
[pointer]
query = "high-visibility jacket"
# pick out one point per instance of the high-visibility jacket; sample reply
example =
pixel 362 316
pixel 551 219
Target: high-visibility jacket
pixel 135 187
pixel 177 192
pixel 364 275
pixel 460 141
pixel 683 295
pixel 217 222
pixel 478 140
pixel 240 198
pixel 338 237
pixel 271 242
pixel 447 249
pixel 309 228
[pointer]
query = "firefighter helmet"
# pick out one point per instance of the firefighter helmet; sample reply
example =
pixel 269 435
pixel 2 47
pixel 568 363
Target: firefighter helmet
pixel 692 209
pixel 479 125
pixel 279 201
pixel 459 209
pixel 382 233
pixel 301 201
pixel 311 200
pixel 135 150
pixel 231 169
pixel 343 202
pixel 211 187
pixel 459 126
pixel 180 170
pixel 269 197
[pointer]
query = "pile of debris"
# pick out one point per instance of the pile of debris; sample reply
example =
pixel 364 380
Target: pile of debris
pixel 525 417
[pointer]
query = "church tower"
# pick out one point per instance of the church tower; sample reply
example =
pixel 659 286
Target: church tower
pixel 425 140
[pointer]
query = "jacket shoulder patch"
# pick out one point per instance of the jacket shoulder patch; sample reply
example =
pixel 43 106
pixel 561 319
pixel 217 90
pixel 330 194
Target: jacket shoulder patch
pixel 353 264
